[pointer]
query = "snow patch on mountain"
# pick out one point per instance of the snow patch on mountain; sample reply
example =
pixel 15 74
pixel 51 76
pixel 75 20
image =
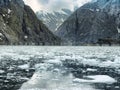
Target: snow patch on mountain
pixel 54 19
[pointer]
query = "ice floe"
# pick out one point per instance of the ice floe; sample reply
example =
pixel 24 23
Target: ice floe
pixel 25 66
pixel 51 75
pixel 96 79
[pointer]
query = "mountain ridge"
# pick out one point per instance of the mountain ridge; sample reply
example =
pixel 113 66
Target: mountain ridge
pixel 90 23
pixel 20 26
pixel 53 19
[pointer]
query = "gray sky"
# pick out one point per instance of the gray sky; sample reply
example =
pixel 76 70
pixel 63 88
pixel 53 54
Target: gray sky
pixel 54 5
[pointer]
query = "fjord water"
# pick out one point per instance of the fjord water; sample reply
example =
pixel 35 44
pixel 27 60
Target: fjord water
pixel 67 67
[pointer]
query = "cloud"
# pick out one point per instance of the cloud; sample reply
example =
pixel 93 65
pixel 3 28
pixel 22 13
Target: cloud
pixel 34 4
pixel 54 5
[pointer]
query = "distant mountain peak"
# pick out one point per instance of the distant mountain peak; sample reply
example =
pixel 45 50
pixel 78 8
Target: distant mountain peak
pixel 53 19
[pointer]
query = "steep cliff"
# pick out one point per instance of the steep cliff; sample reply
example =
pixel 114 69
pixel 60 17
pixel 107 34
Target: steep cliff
pixel 91 22
pixel 19 25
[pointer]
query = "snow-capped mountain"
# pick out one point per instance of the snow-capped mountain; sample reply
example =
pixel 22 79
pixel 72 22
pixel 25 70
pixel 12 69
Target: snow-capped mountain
pixel 54 19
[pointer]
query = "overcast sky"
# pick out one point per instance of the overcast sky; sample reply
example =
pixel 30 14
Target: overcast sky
pixel 53 5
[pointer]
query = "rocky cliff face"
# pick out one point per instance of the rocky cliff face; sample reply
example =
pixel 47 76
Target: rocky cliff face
pixel 19 25
pixel 93 21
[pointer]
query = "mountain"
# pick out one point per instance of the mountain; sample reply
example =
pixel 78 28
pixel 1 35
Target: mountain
pixel 54 19
pixel 96 21
pixel 19 25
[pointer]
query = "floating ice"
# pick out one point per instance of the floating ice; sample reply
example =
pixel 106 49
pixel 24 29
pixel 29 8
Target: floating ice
pixel 2 71
pixel 96 79
pixel 47 81
pixel 25 66
pixel 51 75
pixel 89 69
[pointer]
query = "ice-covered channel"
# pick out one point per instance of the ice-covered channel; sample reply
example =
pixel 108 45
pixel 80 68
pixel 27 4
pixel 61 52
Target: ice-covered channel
pixel 68 68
